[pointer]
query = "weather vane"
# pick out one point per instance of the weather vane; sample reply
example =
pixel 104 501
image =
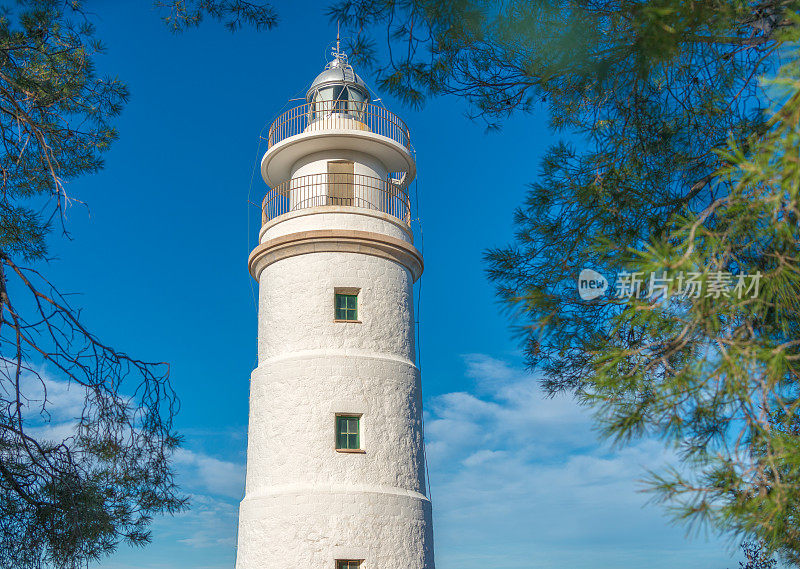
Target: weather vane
pixel 339 57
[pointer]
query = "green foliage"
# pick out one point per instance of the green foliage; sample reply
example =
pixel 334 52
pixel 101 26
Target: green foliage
pixel 721 374
pixel 182 14
pixel 756 557
pixel 67 502
pixel 55 119
pixel 683 161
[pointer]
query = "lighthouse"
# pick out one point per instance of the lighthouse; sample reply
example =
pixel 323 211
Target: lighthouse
pixel 335 453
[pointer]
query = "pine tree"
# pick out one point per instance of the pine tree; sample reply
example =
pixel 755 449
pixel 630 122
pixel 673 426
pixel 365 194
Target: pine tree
pixel 66 502
pixel 680 165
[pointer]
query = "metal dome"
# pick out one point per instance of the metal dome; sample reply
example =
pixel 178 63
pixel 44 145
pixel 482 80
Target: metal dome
pixel 338 72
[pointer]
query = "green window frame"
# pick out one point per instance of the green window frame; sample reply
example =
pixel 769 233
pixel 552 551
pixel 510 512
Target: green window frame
pixel 346 307
pixel 348 564
pixel 348 432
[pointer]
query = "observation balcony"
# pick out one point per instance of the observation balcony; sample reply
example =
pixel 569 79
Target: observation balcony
pixel 336 125
pixel 335 115
pixel 336 189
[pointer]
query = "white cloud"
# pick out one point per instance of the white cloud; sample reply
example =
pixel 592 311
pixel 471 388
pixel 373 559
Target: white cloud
pixel 215 487
pixel 488 370
pixel 64 400
pixel 43 393
pixel 216 476
pixel 482 456
pixel 523 476
pixel 519 481
pixel 202 537
pixel 507 411
pixel 50 407
pixel 209 523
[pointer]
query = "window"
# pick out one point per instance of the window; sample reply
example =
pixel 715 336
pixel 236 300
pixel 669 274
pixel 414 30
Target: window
pixel 347 432
pixel 348 564
pixel 346 306
pixel 340 99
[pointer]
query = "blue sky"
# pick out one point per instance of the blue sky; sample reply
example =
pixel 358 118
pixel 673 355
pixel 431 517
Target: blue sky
pixel 160 259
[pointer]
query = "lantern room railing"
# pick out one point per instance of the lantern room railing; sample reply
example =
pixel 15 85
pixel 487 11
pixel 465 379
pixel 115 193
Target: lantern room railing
pixel 335 115
pixel 337 189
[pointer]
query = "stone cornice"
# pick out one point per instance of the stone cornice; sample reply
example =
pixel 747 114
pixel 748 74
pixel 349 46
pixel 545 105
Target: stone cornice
pixel 339 210
pixel 335 240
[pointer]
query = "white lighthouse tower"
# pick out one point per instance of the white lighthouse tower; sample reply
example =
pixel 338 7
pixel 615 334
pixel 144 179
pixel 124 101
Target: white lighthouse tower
pixel 335 456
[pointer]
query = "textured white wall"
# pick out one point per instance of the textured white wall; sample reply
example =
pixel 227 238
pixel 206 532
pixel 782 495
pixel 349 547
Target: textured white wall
pixel 336 217
pixel 311 530
pixel 317 163
pixel 305 504
pixel 296 310
pixel 293 403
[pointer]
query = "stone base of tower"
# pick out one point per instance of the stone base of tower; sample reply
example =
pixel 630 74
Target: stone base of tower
pixel 307 505
pixel 311 528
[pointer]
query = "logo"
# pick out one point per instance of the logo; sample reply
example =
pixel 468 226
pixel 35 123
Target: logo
pixel 591 284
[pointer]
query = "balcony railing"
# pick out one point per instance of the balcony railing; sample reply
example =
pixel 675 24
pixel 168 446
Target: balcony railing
pixel 334 115
pixel 337 189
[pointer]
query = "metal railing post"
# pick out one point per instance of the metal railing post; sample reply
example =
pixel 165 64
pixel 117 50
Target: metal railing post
pixel 315 190
pixel 324 115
